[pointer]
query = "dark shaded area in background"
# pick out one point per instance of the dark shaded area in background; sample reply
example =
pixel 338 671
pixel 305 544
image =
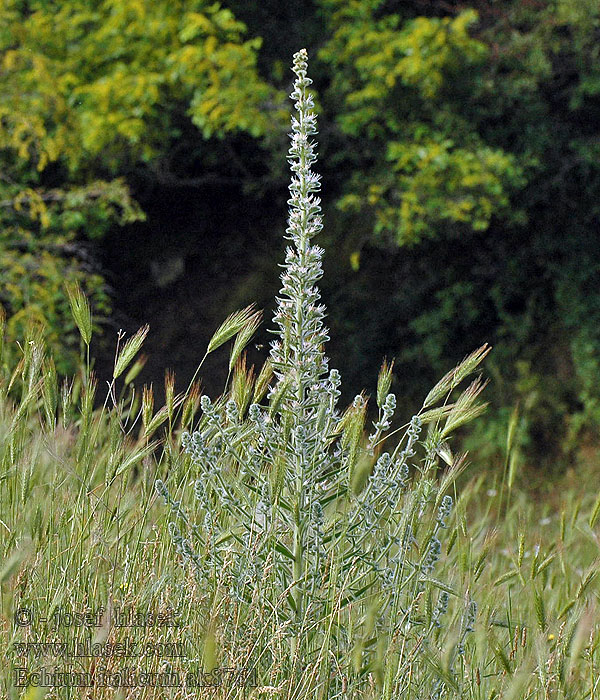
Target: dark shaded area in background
pixel 196 260
pixel 199 257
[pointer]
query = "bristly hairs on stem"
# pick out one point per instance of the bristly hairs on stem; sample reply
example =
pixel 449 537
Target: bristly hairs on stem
pixel 298 353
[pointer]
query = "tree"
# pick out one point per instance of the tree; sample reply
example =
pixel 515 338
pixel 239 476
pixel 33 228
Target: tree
pixel 402 83
pixel 92 91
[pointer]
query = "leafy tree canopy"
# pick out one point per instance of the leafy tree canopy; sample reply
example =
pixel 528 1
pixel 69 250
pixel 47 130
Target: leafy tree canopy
pixel 91 90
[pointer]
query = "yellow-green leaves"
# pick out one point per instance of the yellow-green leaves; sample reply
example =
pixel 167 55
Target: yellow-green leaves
pixel 373 57
pixel 101 83
pixel 432 179
pixel 89 89
pixel 427 172
pixel 449 46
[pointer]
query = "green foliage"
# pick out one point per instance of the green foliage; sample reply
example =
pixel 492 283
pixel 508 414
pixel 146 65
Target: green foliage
pixel 428 182
pixel 103 80
pixel 533 574
pixel 468 130
pixel 402 83
pixel 40 251
pixel 92 90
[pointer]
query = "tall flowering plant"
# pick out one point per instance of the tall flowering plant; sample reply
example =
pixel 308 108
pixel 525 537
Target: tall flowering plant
pixel 320 533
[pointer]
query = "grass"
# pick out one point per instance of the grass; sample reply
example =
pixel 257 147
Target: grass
pixel 82 528
pixel 270 532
